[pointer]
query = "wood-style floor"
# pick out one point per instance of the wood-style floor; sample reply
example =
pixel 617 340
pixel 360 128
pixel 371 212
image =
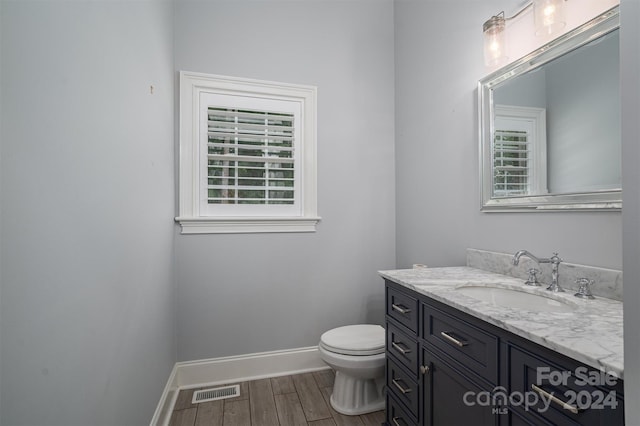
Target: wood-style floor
pixel 298 400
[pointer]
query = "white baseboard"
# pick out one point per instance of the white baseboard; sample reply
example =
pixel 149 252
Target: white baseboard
pixel 162 416
pixel 242 368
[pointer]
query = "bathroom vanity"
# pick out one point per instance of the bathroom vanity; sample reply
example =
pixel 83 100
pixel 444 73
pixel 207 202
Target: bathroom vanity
pixel 454 358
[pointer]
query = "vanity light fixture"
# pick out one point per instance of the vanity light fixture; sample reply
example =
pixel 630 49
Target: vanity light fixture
pixel 495 46
pixel 548 18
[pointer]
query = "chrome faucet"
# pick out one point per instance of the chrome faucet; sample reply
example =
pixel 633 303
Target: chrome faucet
pixel 553 260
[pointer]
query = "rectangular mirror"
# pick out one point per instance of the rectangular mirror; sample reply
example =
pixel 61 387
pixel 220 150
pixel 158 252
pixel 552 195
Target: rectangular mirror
pixel 550 125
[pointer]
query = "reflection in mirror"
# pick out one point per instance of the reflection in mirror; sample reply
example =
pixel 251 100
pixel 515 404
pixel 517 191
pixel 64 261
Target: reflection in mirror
pixel 519 151
pixel 550 125
pixel 580 93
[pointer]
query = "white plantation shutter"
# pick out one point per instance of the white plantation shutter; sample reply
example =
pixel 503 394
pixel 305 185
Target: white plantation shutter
pixel 511 163
pixel 250 157
pixel 519 152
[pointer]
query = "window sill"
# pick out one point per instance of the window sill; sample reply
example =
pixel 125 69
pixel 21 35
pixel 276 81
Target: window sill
pixel 249 225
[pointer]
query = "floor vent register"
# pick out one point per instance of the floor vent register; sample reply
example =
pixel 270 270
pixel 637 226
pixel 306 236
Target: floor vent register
pixel 214 394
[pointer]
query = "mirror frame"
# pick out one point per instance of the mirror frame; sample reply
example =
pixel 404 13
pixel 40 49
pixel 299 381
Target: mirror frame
pixel 606 200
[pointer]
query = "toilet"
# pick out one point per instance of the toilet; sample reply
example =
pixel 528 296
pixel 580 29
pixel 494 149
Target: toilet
pixel 357 354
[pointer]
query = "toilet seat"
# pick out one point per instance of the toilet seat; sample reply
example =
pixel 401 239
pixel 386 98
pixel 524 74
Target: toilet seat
pixel 356 340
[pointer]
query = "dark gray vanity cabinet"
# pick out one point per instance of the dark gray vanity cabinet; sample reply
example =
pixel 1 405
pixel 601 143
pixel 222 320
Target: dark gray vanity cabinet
pixel 446 368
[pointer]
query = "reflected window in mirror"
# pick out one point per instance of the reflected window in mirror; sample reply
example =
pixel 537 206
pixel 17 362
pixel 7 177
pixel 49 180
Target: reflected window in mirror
pixel 519 151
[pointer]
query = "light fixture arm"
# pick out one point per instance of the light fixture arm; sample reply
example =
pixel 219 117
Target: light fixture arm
pixel 500 19
pixel 525 7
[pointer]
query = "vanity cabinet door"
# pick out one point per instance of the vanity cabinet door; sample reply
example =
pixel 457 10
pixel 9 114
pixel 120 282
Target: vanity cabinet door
pixel 562 392
pixel 515 418
pixel 451 398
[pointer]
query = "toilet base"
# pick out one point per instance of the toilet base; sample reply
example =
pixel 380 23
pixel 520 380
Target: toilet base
pixel 354 396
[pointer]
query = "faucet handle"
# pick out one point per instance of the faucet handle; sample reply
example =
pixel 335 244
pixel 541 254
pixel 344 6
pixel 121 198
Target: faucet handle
pixel 533 279
pixel 584 289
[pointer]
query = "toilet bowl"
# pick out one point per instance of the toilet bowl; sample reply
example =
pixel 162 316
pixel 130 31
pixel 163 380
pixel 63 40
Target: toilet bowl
pixel 357 354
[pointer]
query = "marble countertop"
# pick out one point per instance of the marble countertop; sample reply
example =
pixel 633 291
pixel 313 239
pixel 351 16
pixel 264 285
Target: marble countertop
pixel 592 333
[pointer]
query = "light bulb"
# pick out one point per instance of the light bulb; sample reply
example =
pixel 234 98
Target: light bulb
pixel 495 51
pixel 548 16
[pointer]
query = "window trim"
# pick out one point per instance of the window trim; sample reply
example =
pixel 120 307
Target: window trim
pixel 191 218
pixel 536 119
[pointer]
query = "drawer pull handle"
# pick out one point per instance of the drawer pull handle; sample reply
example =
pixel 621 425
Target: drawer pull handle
pixel 424 369
pixel 453 339
pixel 400 349
pixel 395 421
pixel 400 308
pixel 558 401
pixel 400 387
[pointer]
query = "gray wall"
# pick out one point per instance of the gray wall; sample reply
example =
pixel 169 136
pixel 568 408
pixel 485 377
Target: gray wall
pixel 87 206
pixel 1 236
pixel 437 179
pixel 630 83
pixel 249 293
pixel 583 126
pixel 437 69
pixel 523 91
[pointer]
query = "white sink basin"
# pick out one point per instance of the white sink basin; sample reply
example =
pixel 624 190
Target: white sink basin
pixel 515 299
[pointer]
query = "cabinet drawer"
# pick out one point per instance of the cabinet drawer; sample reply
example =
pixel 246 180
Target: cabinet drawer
pixel 402 308
pixel 474 348
pixel 403 387
pixel 403 347
pixel 562 394
pixel 397 415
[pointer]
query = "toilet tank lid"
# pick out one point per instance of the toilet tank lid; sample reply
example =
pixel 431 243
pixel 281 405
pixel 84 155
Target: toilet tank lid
pixel 358 338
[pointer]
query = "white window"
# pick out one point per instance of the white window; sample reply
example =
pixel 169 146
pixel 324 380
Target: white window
pixel 519 152
pixel 247 155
